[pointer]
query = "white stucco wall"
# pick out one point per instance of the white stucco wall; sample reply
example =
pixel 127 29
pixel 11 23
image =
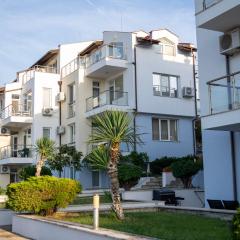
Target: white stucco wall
pixel 218 174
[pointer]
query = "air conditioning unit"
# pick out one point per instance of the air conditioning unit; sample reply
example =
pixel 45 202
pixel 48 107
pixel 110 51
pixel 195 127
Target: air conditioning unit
pixel 60 130
pixel 230 42
pixel 4 169
pixel 60 97
pixel 187 92
pixel 5 131
pixel 47 112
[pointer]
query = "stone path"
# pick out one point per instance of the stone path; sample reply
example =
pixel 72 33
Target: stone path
pixel 7 235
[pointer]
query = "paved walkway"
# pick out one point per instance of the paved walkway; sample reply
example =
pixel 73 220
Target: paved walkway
pixel 107 206
pixel 6 235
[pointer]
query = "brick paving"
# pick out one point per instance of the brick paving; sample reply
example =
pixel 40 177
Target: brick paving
pixel 5 234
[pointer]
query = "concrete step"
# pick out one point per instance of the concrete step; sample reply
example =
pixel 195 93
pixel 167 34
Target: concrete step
pixel 153 184
pixel 151 187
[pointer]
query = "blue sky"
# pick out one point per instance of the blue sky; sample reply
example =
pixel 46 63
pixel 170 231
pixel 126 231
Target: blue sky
pixel 29 28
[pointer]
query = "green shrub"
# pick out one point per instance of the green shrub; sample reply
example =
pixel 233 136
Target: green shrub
pixel 42 195
pixel 30 171
pixel 158 165
pixel 138 159
pixel 236 225
pixel 128 175
pixel 186 167
pixel 2 191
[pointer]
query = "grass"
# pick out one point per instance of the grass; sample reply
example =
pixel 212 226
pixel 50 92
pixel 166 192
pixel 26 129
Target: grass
pixel 89 200
pixel 163 225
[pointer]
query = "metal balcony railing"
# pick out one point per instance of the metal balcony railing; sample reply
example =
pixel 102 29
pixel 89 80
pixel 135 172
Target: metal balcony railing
pixel 72 66
pixel 224 93
pixel 111 51
pixel 16 151
pixel 164 91
pixel 202 5
pixel 30 73
pixel 16 110
pixel 117 98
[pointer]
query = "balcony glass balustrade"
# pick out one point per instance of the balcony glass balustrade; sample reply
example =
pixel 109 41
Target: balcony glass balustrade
pixel 30 73
pixel 117 98
pixel 224 93
pixel 111 51
pixel 21 110
pixel 202 5
pixel 16 151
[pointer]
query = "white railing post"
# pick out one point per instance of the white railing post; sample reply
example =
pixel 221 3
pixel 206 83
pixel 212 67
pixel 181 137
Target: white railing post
pixel 96 211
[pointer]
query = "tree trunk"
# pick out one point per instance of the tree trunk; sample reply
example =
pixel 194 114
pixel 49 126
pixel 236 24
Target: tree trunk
pixel 113 175
pixel 39 166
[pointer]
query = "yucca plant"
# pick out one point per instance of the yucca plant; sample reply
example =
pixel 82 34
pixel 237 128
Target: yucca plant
pixel 111 129
pixel 45 149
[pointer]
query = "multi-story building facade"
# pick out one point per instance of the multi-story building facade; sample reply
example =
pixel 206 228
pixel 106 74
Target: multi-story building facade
pixel 218 38
pixel 137 72
pixel 30 110
pixel 147 74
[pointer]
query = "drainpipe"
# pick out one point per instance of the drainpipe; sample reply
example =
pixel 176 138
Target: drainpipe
pixel 195 103
pixel 60 113
pixel 232 137
pixel 136 99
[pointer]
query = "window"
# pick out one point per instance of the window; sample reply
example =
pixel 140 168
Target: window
pixel 15 96
pixel 165 85
pixel 71 100
pixel 95 179
pixel 47 97
pixel 47 132
pixel 71 93
pixel 27 102
pixel 95 89
pixel 71 172
pixel 15 103
pixel 72 133
pixel 1 104
pixel 116 50
pixel 164 129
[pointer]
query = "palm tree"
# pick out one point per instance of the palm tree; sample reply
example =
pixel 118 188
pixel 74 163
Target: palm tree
pixel 45 149
pixel 111 129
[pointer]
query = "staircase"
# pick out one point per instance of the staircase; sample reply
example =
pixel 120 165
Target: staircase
pixel 153 183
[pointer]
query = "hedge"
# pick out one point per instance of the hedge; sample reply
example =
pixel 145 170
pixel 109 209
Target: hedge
pixel 42 195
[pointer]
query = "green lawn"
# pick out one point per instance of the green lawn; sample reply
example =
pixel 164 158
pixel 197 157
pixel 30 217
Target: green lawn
pixel 163 225
pixel 89 200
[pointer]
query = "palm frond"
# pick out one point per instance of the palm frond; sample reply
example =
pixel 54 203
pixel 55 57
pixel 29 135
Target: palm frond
pixel 114 127
pixel 98 158
pixel 45 147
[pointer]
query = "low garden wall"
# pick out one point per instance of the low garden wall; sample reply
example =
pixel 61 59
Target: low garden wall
pixel 192 197
pixel 6 217
pixel 49 229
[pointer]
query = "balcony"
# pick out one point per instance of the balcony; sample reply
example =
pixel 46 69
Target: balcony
pixel 30 73
pixel 16 116
pixel 107 100
pixel 106 61
pixel 17 155
pixel 224 98
pixel 217 15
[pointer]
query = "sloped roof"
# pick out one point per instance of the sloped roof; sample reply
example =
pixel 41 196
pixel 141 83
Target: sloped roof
pixel 187 47
pixel 91 47
pixel 46 57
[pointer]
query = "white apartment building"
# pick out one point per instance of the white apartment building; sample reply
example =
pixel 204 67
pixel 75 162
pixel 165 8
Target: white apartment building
pixel 218 38
pixel 138 72
pixel 148 74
